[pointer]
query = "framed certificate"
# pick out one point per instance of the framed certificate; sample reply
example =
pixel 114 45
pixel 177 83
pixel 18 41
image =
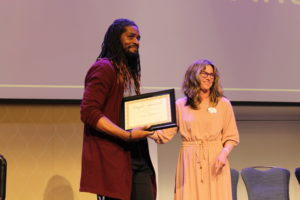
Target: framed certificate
pixel 156 109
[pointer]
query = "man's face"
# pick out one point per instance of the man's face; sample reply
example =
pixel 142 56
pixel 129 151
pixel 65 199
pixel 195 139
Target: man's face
pixel 130 40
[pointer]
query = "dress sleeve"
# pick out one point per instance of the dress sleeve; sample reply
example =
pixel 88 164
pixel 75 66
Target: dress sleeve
pixel 98 83
pixel 164 135
pixel 230 131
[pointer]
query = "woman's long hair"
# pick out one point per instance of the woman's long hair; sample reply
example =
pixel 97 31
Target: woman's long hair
pixel 113 50
pixel 192 86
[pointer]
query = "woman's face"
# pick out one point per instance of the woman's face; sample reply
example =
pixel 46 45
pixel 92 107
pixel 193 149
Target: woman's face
pixel 207 77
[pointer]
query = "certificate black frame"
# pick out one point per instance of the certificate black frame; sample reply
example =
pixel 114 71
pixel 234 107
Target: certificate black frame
pixel 170 92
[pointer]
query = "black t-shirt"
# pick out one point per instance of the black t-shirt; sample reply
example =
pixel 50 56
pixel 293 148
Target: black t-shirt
pixel 138 156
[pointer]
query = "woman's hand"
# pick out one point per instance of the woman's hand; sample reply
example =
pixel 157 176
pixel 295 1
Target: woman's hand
pixel 221 160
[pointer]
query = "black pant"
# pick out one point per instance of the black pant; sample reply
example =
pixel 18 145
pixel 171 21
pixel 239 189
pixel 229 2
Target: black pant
pixel 105 198
pixel 142 188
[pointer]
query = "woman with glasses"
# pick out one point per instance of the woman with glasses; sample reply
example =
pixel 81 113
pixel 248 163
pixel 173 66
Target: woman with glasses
pixel 208 130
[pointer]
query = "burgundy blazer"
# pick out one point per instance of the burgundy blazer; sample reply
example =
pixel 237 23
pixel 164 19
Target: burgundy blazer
pixel 106 160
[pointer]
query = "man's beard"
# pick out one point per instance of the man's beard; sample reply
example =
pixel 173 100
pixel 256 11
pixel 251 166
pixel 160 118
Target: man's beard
pixel 132 59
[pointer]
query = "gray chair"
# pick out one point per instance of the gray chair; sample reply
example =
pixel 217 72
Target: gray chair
pixel 266 183
pixel 234 181
pixel 297 173
pixel 3 166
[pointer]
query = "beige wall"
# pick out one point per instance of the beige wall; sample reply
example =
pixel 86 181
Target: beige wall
pixel 42 145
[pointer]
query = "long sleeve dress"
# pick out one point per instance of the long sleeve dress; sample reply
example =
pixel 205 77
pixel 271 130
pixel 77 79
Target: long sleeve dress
pixel 203 134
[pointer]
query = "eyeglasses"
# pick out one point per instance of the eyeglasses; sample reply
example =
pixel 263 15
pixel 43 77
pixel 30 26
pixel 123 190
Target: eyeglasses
pixel 205 75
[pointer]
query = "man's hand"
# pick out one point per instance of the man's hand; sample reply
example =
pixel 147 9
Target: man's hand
pixel 140 133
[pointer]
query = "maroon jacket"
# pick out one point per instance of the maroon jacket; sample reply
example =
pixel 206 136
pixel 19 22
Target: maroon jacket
pixel 106 161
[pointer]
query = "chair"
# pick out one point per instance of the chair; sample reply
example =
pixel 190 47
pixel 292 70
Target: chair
pixel 297 173
pixel 3 166
pixel 234 181
pixel 266 183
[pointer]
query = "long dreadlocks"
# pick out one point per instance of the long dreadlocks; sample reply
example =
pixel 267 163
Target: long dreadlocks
pixel 112 49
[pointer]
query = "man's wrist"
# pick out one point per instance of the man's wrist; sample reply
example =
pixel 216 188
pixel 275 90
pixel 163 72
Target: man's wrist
pixel 130 135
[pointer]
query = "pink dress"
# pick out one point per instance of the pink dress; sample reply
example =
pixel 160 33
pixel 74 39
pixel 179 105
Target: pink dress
pixel 203 134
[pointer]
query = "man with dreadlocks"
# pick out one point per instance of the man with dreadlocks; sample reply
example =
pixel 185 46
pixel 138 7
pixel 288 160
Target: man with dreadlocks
pixel 115 163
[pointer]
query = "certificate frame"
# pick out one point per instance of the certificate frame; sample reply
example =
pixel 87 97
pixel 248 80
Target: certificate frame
pixel 156 109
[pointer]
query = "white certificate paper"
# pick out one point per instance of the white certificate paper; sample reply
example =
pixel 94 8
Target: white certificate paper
pixel 150 109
